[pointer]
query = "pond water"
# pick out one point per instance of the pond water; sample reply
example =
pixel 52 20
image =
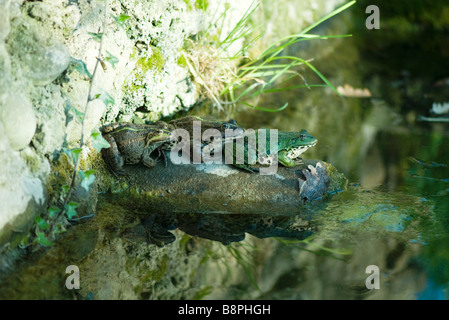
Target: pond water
pixel 394 214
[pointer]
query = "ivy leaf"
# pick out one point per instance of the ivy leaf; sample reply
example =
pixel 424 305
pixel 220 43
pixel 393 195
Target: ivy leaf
pixel 65 188
pixel 54 211
pixel 87 178
pixel 60 228
pixel 78 114
pixel 120 19
pixel 105 97
pixel 111 59
pixel 43 240
pixel 96 36
pixel 80 66
pixel 41 223
pixel 98 142
pixel 73 154
pixel 25 242
pixel 71 209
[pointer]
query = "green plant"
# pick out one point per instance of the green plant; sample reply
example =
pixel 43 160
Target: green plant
pixel 87 177
pixel 309 245
pixel 243 253
pixel 57 218
pixel 226 84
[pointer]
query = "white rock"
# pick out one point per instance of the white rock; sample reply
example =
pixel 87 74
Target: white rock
pixel 48 64
pixel 18 186
pixel 18 119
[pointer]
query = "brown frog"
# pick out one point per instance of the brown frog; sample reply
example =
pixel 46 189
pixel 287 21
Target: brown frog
pixel 187 124
pixel 133 143
pixel 229 131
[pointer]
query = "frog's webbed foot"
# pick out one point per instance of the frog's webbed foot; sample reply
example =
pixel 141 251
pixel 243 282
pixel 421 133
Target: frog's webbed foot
pixel 288 162
pixel 119 172
pixel 160 152
pixel 147 160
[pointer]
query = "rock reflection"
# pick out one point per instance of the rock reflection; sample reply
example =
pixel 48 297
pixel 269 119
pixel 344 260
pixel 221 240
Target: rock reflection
pixel 226 228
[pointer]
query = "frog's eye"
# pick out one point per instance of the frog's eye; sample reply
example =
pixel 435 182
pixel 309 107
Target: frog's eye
pixel 226 125
pixel 302 136
pixel 159 131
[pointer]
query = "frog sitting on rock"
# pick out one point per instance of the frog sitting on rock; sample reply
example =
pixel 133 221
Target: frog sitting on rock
pixel 133 143
pixel 136 143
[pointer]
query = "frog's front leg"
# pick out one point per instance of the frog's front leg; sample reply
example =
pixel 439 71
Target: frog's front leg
pixel 287 161
pixel 112 156
pixel 146 158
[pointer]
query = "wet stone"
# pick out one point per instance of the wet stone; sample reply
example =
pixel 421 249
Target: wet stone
pixel 223 207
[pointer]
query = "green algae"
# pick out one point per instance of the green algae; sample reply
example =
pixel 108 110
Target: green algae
pixel 199 4
pixel 155 61
pixel 182 61
pixel 202 4
pixel 338 180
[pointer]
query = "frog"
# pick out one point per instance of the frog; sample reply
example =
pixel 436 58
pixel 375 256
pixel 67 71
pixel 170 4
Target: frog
pixel 290 146
pixel 229 131
pixel 133 143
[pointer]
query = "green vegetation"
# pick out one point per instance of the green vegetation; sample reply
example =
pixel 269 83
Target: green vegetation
pixel 155 61
pixel 62 209
pixel 199 4
pixel 212 66
pixel 202 4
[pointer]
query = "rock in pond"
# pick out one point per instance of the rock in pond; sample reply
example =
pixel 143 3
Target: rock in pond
pixel 216 188
pixel 222 203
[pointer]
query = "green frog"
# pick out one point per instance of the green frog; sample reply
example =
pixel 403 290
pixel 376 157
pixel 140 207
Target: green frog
pixel 289 148
pixel 196 127
pixel 228 129
pixel 133 143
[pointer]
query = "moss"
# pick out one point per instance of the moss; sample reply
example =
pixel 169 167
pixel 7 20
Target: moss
pixel 32 160
pixel 189 5
pixel 143 64
pixel 338 180
pixel 202 4
pixel 61 174
pixel 199 4
pixel 156 274
pixel 182 61
pixel 155 61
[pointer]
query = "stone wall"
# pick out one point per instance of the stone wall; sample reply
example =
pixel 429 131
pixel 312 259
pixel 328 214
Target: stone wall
pixel 48 50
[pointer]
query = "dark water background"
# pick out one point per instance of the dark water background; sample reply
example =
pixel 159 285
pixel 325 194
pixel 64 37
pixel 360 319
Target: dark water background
pixel 397 204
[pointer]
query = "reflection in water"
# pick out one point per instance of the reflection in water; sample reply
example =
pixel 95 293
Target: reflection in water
pixel 226 228
pixel 378 143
